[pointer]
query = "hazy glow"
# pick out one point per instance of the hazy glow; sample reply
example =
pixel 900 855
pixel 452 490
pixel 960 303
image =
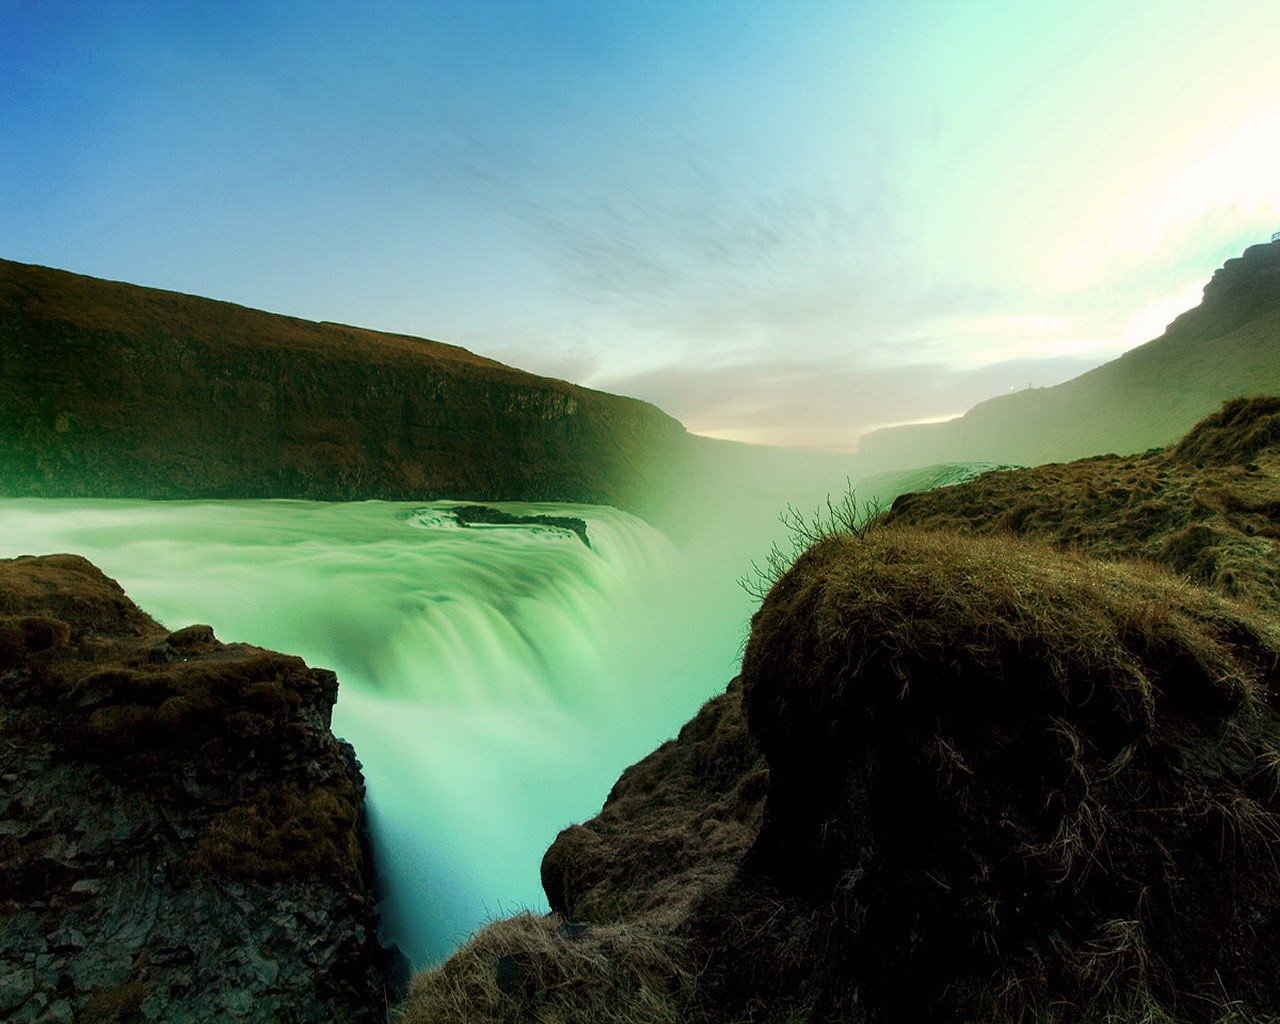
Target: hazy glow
pixel 784 222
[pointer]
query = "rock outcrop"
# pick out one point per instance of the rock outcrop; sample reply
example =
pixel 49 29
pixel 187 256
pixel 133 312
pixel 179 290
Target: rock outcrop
pixel 181 835
pixel 967 775
pixel 1149 397
pixel 112 390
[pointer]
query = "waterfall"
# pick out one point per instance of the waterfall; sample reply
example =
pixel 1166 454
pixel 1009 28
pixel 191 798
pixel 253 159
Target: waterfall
pixel 493 680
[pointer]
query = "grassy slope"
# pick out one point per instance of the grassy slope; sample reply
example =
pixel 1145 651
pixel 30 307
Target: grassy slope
pixel 1150 396
pixel 1205 508
pixel 114 307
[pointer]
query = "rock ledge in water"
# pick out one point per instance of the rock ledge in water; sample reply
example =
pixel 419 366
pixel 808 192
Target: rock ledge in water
pixel 487 515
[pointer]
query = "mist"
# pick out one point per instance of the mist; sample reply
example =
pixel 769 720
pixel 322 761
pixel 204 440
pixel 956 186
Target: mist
pixel 493 681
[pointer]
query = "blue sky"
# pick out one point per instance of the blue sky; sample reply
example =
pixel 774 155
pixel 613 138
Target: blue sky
pixel 783 222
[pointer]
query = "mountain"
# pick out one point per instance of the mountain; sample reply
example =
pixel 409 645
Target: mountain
pixel 1229 345
pixel 1007 753
pixel 114 390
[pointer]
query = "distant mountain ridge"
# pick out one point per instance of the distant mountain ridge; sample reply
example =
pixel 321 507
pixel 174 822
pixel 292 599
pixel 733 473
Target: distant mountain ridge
pixel 1227 346
pixel 116 390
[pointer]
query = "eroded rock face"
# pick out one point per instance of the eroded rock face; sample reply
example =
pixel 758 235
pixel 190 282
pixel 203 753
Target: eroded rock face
pixel 675 823
pixel 180 832
pixel 112 390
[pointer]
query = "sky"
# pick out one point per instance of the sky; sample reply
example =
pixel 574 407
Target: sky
pixel 786 223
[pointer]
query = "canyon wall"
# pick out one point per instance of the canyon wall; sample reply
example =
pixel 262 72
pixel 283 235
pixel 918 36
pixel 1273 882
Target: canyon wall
pixel 1006 754
pixel 113 390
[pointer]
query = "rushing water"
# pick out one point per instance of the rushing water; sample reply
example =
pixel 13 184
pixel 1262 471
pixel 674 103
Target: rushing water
pixel 493 680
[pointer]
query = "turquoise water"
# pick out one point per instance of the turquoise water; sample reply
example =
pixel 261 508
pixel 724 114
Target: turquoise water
pixel 493 681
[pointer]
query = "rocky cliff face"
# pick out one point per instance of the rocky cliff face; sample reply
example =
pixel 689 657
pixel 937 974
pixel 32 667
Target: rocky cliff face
pixel 1007 755
pixel 1229 345
pixel 180 833
pixel 111 390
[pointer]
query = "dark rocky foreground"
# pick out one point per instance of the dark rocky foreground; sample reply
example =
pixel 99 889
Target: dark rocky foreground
pixel 180 833
pixel 112 390
pixel 1010 754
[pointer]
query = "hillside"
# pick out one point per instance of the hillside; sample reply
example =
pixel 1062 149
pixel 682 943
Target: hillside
pixel 1006 754
pixel 1205 507
pixel 181 835
pixel 1228 345
pixel 113 390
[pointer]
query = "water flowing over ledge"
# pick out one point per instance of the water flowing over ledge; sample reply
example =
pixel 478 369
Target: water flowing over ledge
pixel 493 681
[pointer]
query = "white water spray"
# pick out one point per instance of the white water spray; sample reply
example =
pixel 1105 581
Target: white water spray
pixel 494 681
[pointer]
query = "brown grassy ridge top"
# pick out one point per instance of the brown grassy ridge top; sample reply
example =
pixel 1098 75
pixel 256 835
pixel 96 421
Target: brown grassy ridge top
pixel 118 308
pixel 90 303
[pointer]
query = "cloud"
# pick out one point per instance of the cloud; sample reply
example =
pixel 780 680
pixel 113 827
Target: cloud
pixel 724 254
pixel 763 300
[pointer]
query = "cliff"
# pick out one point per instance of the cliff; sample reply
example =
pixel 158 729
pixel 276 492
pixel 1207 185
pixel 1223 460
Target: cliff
pixel 112 390
pixel 181 835
pixel 1229 345
pixel 1007 753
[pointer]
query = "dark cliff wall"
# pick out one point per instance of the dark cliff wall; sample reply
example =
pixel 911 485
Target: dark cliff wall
pixel 112 390
pixel 180 832
pixel 1229 345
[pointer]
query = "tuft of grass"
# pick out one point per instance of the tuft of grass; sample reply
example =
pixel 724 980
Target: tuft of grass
pixel 836 517
pixel 284 833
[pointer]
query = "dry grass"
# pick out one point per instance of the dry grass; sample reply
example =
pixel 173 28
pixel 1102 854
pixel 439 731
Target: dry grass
pixel 1019 763
pixel 285 833
pixel 1205 508
pixel 119 1004
pixel 90 303
pixel 837 517
pixel 921 603
pixel 536 970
